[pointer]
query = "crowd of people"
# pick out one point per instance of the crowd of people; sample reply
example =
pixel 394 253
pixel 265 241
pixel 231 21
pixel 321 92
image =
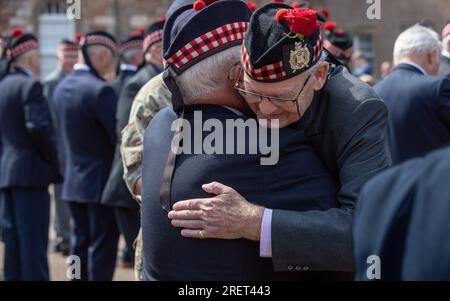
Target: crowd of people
pixel 362 164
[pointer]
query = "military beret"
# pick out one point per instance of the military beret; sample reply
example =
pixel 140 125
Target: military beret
pixel 154 33
pixel 197 31
pixel 102 38
pixel 70 44
pixel 133 41
pixel 281 42
pixel 338 42
pixel 20 43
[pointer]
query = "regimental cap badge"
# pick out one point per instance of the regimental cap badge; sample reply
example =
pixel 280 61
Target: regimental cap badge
pixel 299 57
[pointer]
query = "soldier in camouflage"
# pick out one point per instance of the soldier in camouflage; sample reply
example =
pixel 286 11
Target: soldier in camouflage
pixel 152 97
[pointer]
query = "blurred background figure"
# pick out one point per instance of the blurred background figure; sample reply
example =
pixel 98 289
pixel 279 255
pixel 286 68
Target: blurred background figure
pixel 360 65
pixel 67 56
pixel 3 66
pixel 386 69
pixel 444 69
pixel 116 194
pixel 3 61
pixel 86 107
pixel 338 42
pixel 28 162
pixel 403 217
pixel 130 58
pixel 417 99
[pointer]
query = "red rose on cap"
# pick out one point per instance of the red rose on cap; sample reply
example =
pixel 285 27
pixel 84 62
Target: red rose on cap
pixel 302 21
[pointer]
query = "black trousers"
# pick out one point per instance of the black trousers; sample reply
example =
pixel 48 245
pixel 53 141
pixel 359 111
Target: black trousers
pixel 129 223
pixel 25 233
pixel 94 240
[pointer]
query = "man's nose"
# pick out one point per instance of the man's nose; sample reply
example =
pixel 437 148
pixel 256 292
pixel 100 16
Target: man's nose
pixel 266 107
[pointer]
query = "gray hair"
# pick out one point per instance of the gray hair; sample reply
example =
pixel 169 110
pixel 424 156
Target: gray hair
pixel 417 39
pixel 204 77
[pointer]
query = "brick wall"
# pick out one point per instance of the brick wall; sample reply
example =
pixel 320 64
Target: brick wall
pixel 121 16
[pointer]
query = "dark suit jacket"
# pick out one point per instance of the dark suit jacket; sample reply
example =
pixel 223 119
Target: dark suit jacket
pixel 28 157
pixel 346 124
pixel 299 181
pixel 121 79
pixel 86 108
pixel 116 192
pixel 3 65
pixel 419 111
pixel 444 68
pixel 49 85
pixel 403 216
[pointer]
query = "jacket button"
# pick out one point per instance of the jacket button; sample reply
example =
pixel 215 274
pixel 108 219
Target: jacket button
pixel 298 268
pixel 305 268
pixel 290 267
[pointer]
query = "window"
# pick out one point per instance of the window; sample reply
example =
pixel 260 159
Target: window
pixel 54 7
pixel 364 43
pixel 53 27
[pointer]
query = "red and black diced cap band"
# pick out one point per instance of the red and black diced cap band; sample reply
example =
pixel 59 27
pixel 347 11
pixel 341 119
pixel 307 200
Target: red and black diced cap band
pixel 100 38
pixel 195 32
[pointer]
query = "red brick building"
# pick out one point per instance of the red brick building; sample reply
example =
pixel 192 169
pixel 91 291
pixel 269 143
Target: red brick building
pixel 47 18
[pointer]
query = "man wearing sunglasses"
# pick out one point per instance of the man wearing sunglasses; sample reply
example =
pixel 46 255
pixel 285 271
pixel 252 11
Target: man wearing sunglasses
pixel 284 76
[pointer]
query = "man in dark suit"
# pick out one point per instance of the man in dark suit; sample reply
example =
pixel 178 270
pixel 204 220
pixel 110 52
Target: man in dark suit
pixel 116 193
pixel 3 66
pixel 28 162
pixel 298 181
pixel 444 68
pixel 152 49
pixel 86 108
pixel 285 77
pixel 3 60
pixel 418 101
pixel 67 56
pixel 130 59
pixel 403 218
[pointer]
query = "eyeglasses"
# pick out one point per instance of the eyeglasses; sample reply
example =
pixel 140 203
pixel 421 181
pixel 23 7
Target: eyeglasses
pixel 255 98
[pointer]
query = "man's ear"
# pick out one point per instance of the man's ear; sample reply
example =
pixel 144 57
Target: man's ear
pixel 432 56
pixel 321 74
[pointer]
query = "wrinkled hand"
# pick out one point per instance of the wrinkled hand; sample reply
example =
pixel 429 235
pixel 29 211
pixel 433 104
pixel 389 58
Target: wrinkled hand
pixel 227 215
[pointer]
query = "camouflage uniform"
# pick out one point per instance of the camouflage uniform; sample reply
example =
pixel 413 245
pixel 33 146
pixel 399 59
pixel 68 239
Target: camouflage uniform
pixel 152 97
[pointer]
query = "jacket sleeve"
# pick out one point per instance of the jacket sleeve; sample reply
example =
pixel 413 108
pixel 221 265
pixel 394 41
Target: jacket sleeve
pixel 153 97
pixel 444 98
pixel 129 92
pixel 322 240
pixel 105 110
pixel 38 121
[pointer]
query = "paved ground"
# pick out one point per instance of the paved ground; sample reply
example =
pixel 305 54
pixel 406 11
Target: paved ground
pixel 58 268
pixel 58 265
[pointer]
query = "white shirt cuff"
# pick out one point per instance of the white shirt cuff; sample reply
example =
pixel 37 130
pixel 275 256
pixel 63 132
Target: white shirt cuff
pixel 265 243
